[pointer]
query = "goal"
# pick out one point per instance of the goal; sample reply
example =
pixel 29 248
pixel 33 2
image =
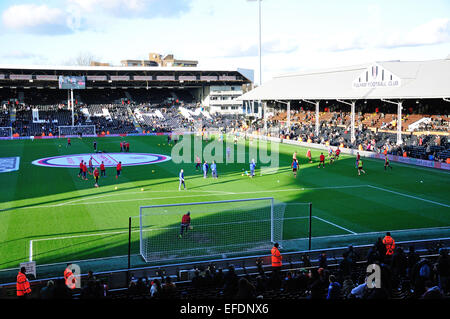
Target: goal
pixel 76 130
pixel 6 131
pixel 219 229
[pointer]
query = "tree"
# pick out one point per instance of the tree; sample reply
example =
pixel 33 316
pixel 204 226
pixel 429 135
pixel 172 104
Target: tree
pixel 84 58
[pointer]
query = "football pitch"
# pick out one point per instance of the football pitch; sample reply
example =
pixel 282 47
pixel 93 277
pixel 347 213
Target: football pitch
pixel 50 215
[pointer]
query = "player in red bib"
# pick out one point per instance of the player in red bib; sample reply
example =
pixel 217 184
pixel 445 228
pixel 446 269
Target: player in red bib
pixel 68 142
pixel 121 146
pixel 308 155
pixel 127 146
pixel 96 174
pixel 322 160
pixel 118 169
pixel 84 171
pixel 102 169
pixel 338 151
pixel 185 223
pixel 80 174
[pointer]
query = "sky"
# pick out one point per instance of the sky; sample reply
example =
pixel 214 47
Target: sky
pixel 296 35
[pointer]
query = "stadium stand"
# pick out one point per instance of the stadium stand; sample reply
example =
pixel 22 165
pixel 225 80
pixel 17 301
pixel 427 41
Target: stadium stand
pixel 416 271
pixel 375 130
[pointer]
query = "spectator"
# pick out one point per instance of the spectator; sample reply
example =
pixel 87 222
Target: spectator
pixel 360 291
pixel 334 289
pixel 230 283
pixel 61 290
pixel 432 291
pixel 399 264
pixel 47 292
pixel 245 290
pixel 275 281
pixel 323 260
pixel 155 289
pixel 347 286
pixel 373 255
pixel 169 289
pixel 218 278
pixel 345 266
pixel 197 281
pixel 381 248
pixel 316 286
pixel 412 259
pixel 260 284
pixel 443 270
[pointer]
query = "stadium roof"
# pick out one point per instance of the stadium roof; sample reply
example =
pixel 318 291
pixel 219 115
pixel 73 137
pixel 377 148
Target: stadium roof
pixel 379 80
pixel 112 68
pixel 16 74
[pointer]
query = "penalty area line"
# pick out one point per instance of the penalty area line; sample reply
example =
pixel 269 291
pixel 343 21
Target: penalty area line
pixel 410 196
pixel 75 203
pixel 335 225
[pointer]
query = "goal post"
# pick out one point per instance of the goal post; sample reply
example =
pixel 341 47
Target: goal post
pixel 76 130
pixel 6 131
pixel 218 228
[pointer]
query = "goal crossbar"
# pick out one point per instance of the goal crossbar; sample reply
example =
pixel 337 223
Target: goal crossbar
pixel 76 130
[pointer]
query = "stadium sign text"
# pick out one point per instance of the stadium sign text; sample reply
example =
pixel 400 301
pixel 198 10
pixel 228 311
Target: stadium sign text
pixel 375 76
pixel 109 159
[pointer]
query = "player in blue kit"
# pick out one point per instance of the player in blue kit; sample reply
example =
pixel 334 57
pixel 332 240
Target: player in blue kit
pixel 214 169
pixel 205 169
pixel 181 177
pixel 294 166
pixel 252 168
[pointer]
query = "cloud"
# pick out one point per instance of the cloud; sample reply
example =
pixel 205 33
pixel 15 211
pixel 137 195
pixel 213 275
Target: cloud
pixel 37 19
pixel 274 46
pixel 434 32
pixel 78 15
pixel 21 55
pixel 133 8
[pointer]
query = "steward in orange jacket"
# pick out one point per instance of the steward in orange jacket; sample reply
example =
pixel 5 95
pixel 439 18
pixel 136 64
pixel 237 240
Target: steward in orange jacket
pixel 69 277
pixel 276 256
pixel 22 285
pixel 389 242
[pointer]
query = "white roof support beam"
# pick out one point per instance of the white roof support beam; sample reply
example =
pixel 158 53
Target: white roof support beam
pixel 399 118
pixel 288 115
pixel 352 115
pixel 316 103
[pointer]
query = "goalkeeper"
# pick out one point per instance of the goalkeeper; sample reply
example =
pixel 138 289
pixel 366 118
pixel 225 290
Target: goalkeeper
pixel 185 223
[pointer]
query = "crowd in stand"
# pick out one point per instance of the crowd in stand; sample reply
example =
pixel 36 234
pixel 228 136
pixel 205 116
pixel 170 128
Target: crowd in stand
pixel 405 274
pixel 335 129
pixel 373 131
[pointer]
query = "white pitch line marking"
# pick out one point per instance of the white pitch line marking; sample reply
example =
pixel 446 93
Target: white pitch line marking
pixel 410 196
pixel 76 202
pixel 335 225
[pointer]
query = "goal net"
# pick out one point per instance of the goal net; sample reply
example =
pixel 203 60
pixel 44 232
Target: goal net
pixel 6 131
pixel 76 130
pixel 218 229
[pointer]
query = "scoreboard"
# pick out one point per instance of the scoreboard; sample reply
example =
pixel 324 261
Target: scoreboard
pixel 72 82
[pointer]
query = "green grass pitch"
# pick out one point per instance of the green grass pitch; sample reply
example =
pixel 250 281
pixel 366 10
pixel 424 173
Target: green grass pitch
pixel 54 216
